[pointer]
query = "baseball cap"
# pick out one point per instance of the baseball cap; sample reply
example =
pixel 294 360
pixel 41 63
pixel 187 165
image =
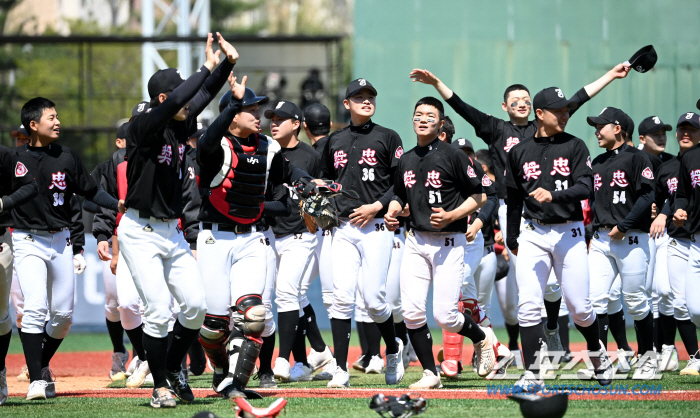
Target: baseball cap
pixel 643 60
pixel 697 104
pixel 121 131
pixel 627 124
pixel 653 124
pixel 552 98
pixel 462 143
pixel 690 118
pixel 164 81
pixel 284 110
pixel 20 131
pixel 139 108
pixel 249 98
pixel 317 115
pixel 608 115
pixel 356 85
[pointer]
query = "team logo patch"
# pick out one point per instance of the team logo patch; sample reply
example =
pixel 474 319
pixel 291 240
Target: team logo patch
pixel 252 160
pixel 559 93
pixel 486 181
pixel 362 82
pixel 409 179
pixel 619 178
pixel 368 156
pixel 29 238
pixel 434 179
pixel 210 240
pixel 166 155
pixel 470 172
pixel 694 178
pixel 561 166
pixel 648 174
pixel 597 182
pixel 279 105
pixel 340 158
pixel 20 170
pixel 58 180
pixel 588 162
pixel 147 228
pixel 672 184
pixel 399 152
pixel 532 170
pixel 511 142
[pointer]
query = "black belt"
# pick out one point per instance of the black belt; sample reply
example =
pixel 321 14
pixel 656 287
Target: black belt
pixel 237 229
pixel 158 219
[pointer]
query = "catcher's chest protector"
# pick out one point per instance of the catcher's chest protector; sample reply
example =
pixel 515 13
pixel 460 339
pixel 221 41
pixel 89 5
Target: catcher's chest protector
pixel 238 189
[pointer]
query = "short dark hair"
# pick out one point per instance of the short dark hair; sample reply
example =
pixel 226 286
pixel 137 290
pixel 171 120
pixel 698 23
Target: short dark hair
pixel 513 87
pixel 449 129
pixel 34 109
pixel 483 157
pixel 156 101
pixel 432 101
pixel 319 130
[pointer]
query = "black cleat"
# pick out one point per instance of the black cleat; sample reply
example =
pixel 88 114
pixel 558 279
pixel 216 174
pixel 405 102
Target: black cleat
pixel 179 385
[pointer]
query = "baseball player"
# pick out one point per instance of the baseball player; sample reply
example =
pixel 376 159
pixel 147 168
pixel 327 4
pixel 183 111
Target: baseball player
pixel 363 157
pixel 623 192
pixel 42 242
pixel 549 175
pixel 501 136
pixel 682 256
pixel 441 193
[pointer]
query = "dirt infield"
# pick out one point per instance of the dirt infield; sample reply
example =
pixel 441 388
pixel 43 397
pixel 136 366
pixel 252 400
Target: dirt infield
pixel 85 374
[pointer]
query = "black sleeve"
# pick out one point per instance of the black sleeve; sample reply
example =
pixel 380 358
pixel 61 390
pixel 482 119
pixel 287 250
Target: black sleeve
pixel 281 171
pixel 210 142
pixel 579 97
pixel 684 189
pixel 581 190
pixel 660 194
pixel 486 211
pixel 90 207
pixel 481 122
pixel 102 198
pixel 386 198
pixel 20 196
pixel 191 203
pixel 281 204
pixel 399 188
pixel 666 209
pixel 515 210
pixel 105 221
pixel 77 227
pixel 640 206
pixel 210 88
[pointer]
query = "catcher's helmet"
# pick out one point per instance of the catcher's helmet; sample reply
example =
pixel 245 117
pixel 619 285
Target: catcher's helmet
pixel 536 406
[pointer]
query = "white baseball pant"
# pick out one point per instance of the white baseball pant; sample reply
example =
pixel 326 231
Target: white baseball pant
pixel 507 292
pixel 17 298
pixel 484 277
pixel 678 256
pixel 614 301
pixel 111 298
pixel 692 283
pixel 629 257
pixel 5 282
pixel 162 265
pixel 294 254
pixel 321 267
pixel 433 258
pixel 270 275
pixel 561 247
pixel 131 309
pixel 662 284
pixel 367 249
pixel 650 268
pixel 473 251
pixel 44 263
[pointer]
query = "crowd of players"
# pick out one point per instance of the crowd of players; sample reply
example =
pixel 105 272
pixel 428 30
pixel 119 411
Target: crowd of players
pixel 208 231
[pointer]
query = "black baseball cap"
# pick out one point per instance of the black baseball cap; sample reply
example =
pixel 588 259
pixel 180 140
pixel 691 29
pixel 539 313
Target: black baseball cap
pixel 356 85
pixel 139 108
pixel 552 98
pixel 608 115
pixel 249 98
pixel 653 124
pixel 697 104
pixel 317 114
pixel 462 143
pixel 285 110
pixel 164 81
pixel 20 131
pixel 122 130
pixel 690 118
pixel 643 60
pixel 627 124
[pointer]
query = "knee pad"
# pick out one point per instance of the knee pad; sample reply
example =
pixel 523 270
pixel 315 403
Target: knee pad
pixel 251 315
pixel 471 308
pixel 212 336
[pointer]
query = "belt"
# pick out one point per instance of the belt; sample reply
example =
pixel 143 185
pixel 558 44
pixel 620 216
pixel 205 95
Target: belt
pixel 50 231
pixel 539 222
pixel 153 217
pixel 237 229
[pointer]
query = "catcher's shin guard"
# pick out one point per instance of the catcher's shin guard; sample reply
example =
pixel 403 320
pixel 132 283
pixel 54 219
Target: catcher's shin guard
pixel 471 306
pixel 213 336
pixel 243 353
pixel 451 352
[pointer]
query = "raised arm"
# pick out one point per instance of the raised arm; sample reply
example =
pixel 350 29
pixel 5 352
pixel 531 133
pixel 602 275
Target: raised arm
pixel 215 81
pixel 618 71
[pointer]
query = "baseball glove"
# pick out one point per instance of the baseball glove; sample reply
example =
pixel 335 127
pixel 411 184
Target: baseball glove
pixel 317 208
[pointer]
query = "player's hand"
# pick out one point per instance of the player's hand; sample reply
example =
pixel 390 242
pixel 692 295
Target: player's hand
pixel 515 252
pixel 113 263
pixel 473 230
pixel 498 237
pixel 616 234
pixel 680 217
pixel 321 183
pixel 406 212
pixel 237 89
pixel 440 219
pixel 653 211
pixel 194 254
pixel 79 263
pixel 658 227
pixel 103 251
pixel 424 76
pixel 390 217
pixel 542 195
pixel 619 71
pixel 365 213
pixel 121 208
pixel 212 57
pixel 227 49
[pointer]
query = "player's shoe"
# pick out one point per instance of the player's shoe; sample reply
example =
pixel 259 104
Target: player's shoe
pixel 566 358
pixel 669 358
pixel 693 366
pixel 625 359
pixel 359 364
pixel 179 386
pixel 546 367
pixel 486 352
pixel 647 369
pixel 118 371
pixel 3 386
pixel 132 366
pixel 528 383
pixel 551 337
pixel 138 377
pixel 319 359
pixel 267 381
pixel 282 369
pixel 37 390
pixel 341 379
pixel 604 371
pixel 48 376
pixel 162 398
pixel 23 376
pixel 300 373
pixel 219 377
pixel 326 372
pixel 504 359
pixel 394 366
pixel 428 381
pixel 375 366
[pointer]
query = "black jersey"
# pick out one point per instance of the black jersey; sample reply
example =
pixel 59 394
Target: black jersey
pixel 688 193
pixel 500 135
pixel 13 175
pixel 657 160
pixel 304 157
pixel 435 176
pixel 320 144
pixel 620 176
pixel 560 164
pixel 155 145
pixel 665 189
pixel 59 173
pixel 363 159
